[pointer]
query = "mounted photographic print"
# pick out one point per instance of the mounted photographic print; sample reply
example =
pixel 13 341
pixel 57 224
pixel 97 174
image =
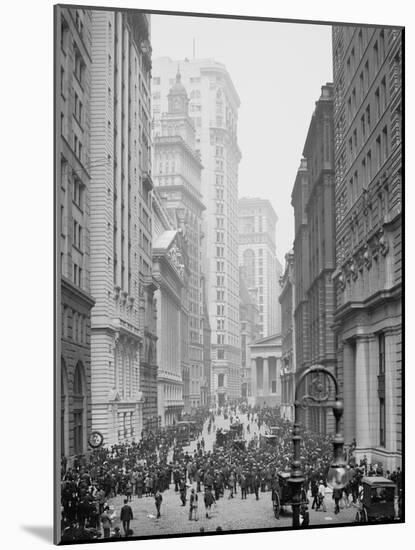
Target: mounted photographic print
pixel 228 205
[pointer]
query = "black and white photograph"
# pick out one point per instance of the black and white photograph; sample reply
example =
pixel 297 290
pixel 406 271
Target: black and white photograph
pixel 229 264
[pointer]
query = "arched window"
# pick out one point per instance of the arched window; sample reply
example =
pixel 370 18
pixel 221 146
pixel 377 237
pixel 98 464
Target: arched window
pixel 79 409
pixel 64 409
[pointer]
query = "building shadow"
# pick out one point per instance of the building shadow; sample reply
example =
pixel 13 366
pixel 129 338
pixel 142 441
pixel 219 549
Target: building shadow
pixel 42 532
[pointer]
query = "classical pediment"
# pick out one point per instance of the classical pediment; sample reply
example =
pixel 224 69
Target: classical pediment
pixel 272 340
pixel 170 245
pixel 114 396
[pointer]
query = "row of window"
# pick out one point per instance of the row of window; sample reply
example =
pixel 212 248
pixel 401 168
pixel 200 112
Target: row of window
pixel 377 54
pixel 74 325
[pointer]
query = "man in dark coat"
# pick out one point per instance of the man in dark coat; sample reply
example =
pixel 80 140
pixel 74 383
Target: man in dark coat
pixel 126 516
pixel 158 499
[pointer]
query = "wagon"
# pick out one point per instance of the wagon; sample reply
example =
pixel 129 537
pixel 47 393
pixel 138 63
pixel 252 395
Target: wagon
pixel 268 440
pixel 283 496
pixel 237 427
pixel 377 500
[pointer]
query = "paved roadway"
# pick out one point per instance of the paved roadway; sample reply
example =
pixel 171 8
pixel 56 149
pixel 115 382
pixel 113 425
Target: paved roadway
pixel 230 514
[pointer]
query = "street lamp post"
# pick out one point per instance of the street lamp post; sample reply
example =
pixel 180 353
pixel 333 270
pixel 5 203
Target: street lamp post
pixel 337 472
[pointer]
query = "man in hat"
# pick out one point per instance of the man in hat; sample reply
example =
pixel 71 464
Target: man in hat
pixel 106 522
pixel 158 499
pixel 126 516
pixel 193 505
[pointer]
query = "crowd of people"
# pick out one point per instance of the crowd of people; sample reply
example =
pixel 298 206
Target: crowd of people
pixel 150 467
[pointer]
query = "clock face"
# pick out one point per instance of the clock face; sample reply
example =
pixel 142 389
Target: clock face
pixel 96 439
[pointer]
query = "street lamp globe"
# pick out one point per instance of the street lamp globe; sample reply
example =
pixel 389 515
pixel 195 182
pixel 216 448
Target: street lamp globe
pixel 337 476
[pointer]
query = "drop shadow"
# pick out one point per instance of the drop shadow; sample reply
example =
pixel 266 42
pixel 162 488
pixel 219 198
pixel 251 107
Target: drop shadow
pixel 44 533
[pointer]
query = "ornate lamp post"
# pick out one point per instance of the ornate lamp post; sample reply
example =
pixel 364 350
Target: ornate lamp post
pixel 336 477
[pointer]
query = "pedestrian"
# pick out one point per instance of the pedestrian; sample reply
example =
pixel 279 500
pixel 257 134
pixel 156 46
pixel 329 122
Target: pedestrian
pixel 193 501
pixel 183 491
pixel 337 495
pixel 321 496
pixel 158 499
pixel 314 494
pixel 126 516
pixel 106 522
pixel 209 500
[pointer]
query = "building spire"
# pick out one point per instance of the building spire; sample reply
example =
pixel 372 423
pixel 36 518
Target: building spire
pixel 178 75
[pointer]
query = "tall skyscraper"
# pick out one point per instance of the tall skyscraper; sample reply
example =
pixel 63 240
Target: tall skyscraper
pixel 123 340
pixel 213 107
pixel 257 256
pixel 73 73
pixel 367 65
pixel 177 175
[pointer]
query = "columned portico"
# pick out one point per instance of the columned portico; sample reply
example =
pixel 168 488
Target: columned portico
pixel 265 371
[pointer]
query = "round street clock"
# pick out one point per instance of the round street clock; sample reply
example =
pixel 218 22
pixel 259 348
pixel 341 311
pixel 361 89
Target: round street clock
pixel 96 439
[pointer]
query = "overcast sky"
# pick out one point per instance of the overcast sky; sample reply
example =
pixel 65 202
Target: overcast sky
pixel 278 70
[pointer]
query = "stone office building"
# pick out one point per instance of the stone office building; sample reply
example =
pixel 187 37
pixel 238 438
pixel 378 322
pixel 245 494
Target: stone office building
pixel 287 302
pixel 319 289
pixel 257 255
pixel 177 175
pixel 368 163
pixel 73 376
pixel 171 273
pixel 123 339
pixel 213 107
pixel 299 198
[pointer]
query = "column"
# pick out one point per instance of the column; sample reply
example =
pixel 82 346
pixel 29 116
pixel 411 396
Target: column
pixel 253 378
pixel 349 392
pixel 362 393
pixel 392 411
pixel 265 376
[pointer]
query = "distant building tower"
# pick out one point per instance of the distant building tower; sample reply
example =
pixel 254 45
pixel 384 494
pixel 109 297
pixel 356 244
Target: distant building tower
pixel 257 256
pixel 213 106
pixel 177 176
pixel 249 318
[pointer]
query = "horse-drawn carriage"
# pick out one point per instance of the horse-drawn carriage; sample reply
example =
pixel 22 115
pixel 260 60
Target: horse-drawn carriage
pixel 377 500
pixel 281 494
pixel 268 440
pixel 236 427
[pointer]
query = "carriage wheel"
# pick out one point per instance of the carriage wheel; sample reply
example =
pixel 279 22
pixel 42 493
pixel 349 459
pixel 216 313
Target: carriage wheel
pixel 277 506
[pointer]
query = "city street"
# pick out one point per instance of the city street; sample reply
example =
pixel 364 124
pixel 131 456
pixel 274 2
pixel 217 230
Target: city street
pixel 230 514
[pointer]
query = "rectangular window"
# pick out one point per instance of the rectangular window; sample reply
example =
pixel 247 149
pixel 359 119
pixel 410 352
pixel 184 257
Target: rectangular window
pixel 383 96
pixel 376 55
pixel 79 66
pixel 381 46
pixel 363 128
pixel 382 391
pixel 369 167
pixel 62 82
pixel 367 76
pixel 377 103
pixel 368 117
pixel 378 153
pixel 385 145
